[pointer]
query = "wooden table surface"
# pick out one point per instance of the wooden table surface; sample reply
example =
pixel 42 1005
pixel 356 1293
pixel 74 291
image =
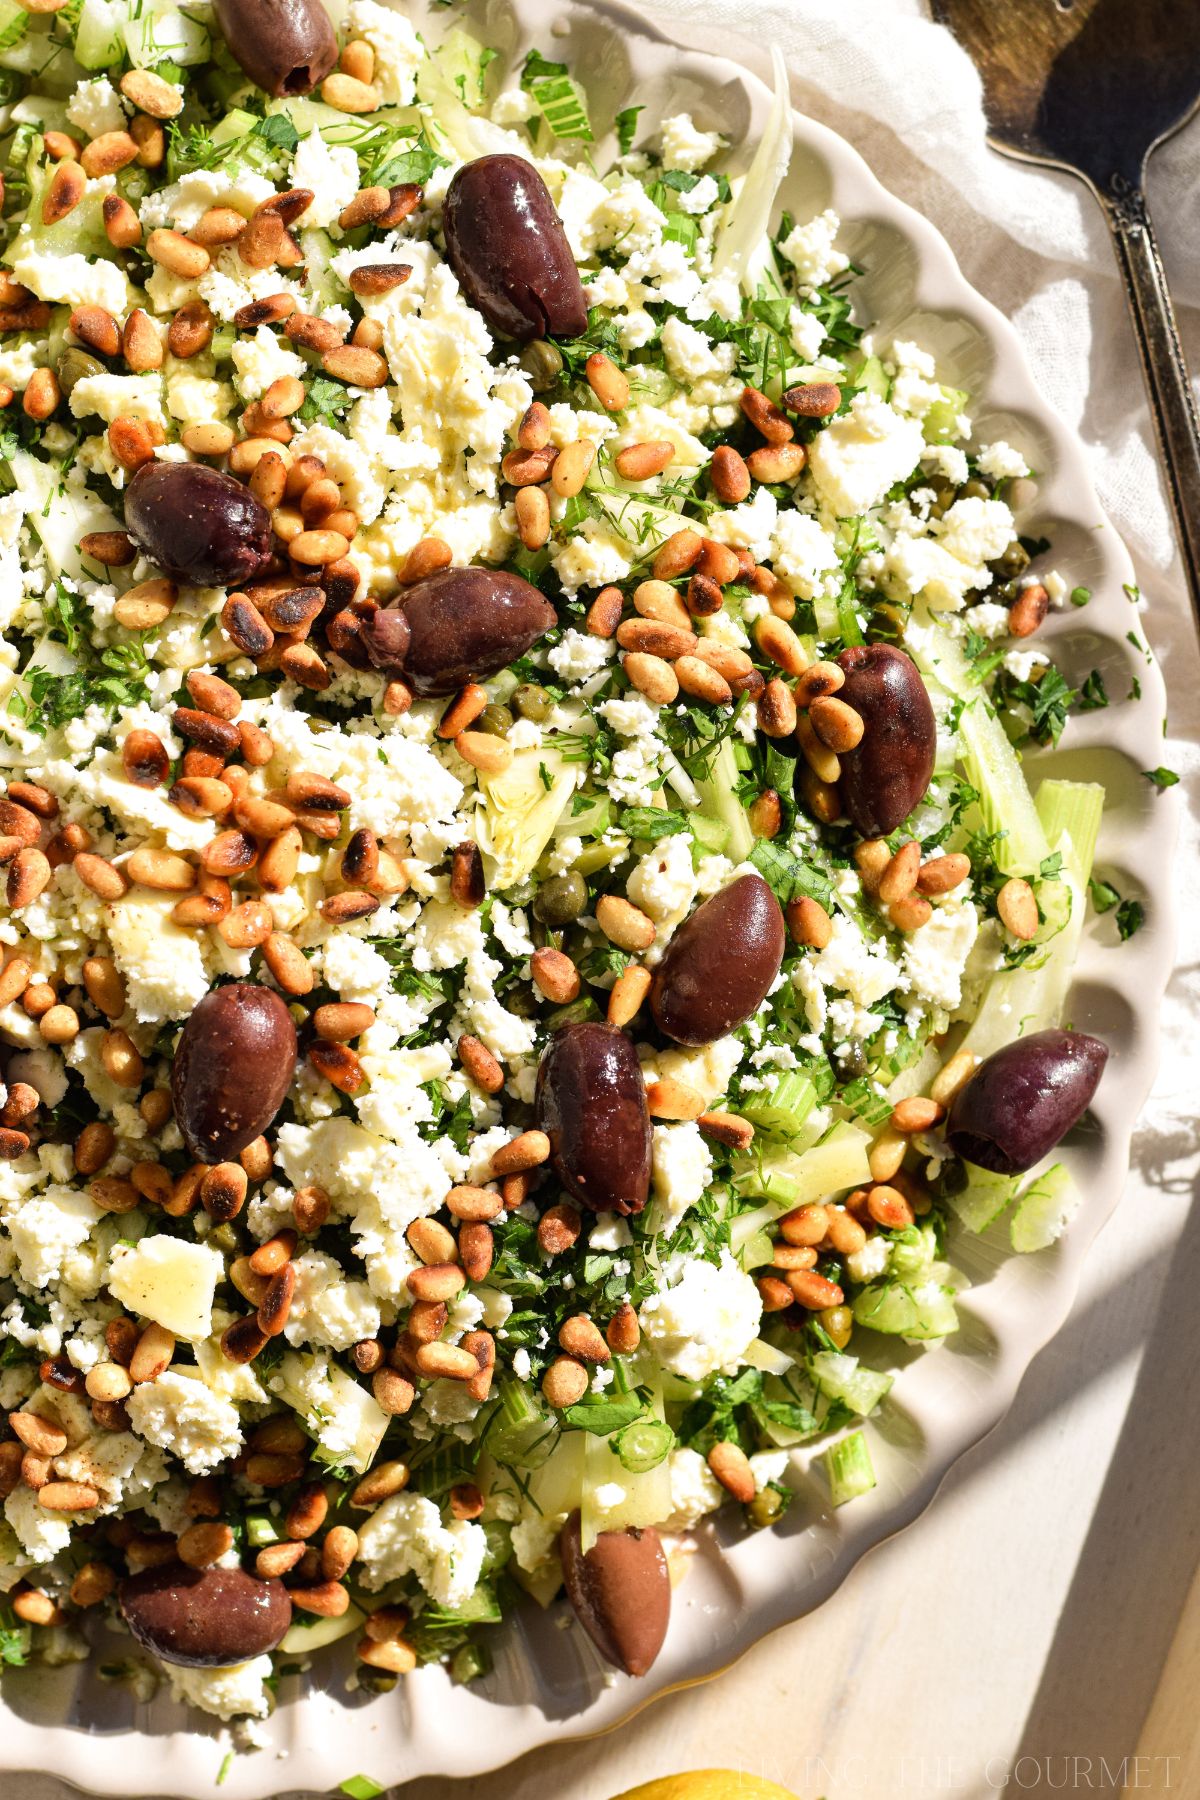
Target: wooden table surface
pixel 1038 1631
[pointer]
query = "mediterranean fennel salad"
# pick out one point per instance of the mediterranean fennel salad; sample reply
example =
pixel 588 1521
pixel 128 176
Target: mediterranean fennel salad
pixel 527 934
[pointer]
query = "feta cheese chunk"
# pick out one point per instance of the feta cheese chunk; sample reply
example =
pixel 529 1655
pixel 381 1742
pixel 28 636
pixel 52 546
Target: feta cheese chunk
pixel 405 1536
pixel 237 1692
pixel 862 454
pixel 704 1321
pixel 180 1414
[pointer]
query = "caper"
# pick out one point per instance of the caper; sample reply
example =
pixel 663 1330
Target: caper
pixel 520 1000
pixel 545 937
pixel 376 1681
pixel 543 363
pixel 974 490
pixel 223 1238
pixel 851 1065
pixel 496 720
pixel 1005 593
pixel 532 702
pixel 74 364
pixel 560 899
pixel 837 1322
pixel 946 496
pixel 766 1508
pixel 1014 561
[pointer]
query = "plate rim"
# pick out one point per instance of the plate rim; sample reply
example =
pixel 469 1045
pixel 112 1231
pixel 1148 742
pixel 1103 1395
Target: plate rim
pixel 95 1764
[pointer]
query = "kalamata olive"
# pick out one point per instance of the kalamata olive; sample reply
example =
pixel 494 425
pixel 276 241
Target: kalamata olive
pixel 506 244
pixel 889 771
pixel 591 1103
pixel 463 625
pixel 232 1069
pixel 1021 1100
pixel 560 899
pixel 284 46
pixel 204 1618
pixel 197 524
pixel 721 962
pixel 620 1590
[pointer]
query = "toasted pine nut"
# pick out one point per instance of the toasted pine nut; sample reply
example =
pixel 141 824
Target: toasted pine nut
pixel 357 366
pixel 729 475
pixel 656 639
pixel 952 1076
pixel 1028 611
pixel 886 1154
pixel 817 680
pixel 731 1466
pixel 889 1208
pixel 178 254
pixel 347 95
pixel 121 224
pixel 558 1230
pixel 671 1099
pixel 918 1113
pixel 813 400
pixel 533 517
pixel 526 1151
pixel 555 975
pixel 727 1128
pixel 809 923
pixel 805 1225
pixel 813 1291
pixel 700 679
pixel 766 417
pixel 776 639
pixel 628 992
pixel 941 874
pixel 426 557
pixel 836 724
pixel 607 382
pixel 152 1354
pixel 777 463
pixel 565 1382
pixel 572 466
pixel 677 554
pixel 641 462
pixel 658 600
pixel 580 1337
pixel 624 924
pixel 651 676
pixel 143 607
pixel 777 709
pixel 900 876
pixel 1018 908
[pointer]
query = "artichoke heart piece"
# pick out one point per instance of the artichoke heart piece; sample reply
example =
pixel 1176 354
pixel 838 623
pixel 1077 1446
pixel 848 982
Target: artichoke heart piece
pixel 520 809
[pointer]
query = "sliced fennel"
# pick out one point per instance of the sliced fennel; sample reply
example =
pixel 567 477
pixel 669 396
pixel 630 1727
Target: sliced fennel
pixel 743 241
pixel 785 1179
pixel 992 765
pixel 984 1198
pixel 899 1311
pixel 61 516
pixel 520 810
pixel 1031 998
pixel 468 134
pixel 1044 1209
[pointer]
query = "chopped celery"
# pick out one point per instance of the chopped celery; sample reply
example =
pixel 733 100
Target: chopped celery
pixel 900 1311
pixel 261 1529
pixel 520 1433
pixel 840 1377
pixel 1073 808
pixel 589 816
pixel 848 1468
pixel 711 835
pixel 358 1414
pixel 788 1179
pixel 98 38
pixel 158 32
pixel 470 1662
pixel 872 376
pixel 983 1199
pixel 1044 1209
pixel 782 1108
pixel 719 801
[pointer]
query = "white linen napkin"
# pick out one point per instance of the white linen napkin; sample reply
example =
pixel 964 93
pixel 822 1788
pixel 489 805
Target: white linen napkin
pixel 907 97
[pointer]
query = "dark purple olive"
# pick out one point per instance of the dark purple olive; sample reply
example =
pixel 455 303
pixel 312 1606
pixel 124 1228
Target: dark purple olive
pixel 1021 1100
pixel 886 776
pixel 463 625
pixel 621 1592
pixel 720 964
pixel 197 524
pixel 284 46
pixel 233 1067
pixel 204 1618
pixel 506 244
pixel 591 1103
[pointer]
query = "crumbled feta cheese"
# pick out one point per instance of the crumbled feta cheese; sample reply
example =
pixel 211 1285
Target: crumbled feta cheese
pixel 45 1228
pixel 95 107
pixel 261 359
pixel 810 250
pixel 663 881
pixel 850 962
pixel 180 1414
pixel 235 1692
pixel 703 1321
pixel 686 147
pixel 1002 462
pixel 163 964
pixel 681 1168
pixel 397 46
pixel 405 1536
pixel 330 172
pixel 862 454
pixel 695 1491
pixel 579 655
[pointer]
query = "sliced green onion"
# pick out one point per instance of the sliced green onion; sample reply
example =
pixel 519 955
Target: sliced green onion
pixel 644 1444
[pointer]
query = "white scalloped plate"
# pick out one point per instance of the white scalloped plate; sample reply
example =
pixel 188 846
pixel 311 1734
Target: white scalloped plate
pixel 548 1683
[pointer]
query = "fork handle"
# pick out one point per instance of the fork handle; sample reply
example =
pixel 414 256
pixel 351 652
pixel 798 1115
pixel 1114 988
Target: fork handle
pixel 1163 366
